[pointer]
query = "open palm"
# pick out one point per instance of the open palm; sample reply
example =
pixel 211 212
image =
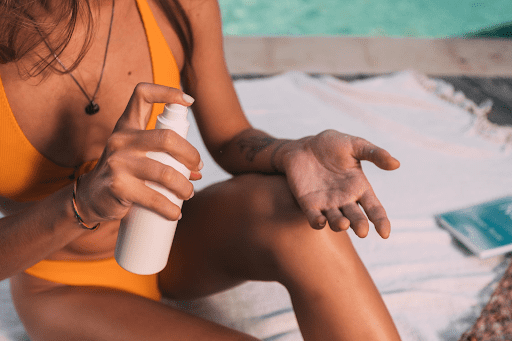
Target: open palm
pixel 325 175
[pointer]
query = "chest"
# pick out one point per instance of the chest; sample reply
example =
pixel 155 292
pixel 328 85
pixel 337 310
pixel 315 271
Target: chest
pixel 51 112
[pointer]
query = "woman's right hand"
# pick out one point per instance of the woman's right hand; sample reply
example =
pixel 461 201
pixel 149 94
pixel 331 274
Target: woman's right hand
pixel 118 179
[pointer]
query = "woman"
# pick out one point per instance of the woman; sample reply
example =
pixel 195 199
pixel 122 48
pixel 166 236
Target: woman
pixel 75 153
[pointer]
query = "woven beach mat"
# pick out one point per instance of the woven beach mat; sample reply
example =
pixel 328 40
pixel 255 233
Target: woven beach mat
pixel 495 321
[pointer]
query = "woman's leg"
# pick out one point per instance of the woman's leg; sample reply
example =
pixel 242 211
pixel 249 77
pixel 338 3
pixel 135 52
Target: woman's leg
pixel 250 227
pixel 100 314
pixel 246 228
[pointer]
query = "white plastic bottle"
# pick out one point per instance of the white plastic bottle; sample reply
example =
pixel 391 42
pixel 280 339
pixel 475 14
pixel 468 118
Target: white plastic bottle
pixel 145 237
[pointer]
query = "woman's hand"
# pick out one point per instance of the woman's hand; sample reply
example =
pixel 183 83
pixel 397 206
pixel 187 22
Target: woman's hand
pixel 118 180
pixel 325 175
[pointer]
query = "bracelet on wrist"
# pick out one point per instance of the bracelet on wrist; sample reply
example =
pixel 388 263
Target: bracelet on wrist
pixel 75 210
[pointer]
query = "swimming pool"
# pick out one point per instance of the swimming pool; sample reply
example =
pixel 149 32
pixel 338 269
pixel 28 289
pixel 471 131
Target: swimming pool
pixel 404 18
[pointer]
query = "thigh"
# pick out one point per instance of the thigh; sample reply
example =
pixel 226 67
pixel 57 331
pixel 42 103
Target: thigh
pixel 95 313
pixel 226 235
pixel 250 227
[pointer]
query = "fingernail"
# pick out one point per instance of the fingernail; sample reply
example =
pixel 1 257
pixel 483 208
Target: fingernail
pixel 181 216
pixel 188 98
pixel 201 164
pixel 191 195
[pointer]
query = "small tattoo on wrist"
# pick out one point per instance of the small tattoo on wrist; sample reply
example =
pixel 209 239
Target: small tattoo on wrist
pixel 273 156
pixel 254 145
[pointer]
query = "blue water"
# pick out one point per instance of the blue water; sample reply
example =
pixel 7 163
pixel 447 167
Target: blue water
pixel 404 18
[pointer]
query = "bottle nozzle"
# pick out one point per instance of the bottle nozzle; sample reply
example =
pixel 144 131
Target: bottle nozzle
pixel 175 112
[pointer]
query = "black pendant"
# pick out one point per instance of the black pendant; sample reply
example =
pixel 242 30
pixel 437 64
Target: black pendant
pixel 92 108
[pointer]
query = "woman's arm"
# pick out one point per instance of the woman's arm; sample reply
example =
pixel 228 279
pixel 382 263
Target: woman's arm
pixel 35 232
pixel 108 191
pixel 324 171
pixel 228 135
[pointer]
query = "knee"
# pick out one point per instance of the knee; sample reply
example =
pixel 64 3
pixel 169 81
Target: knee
pixel 268 221
pixel 269 207
pixel 265 232
pixel 283 230
pixel 262 198
pixel 267 197
pixel 278 224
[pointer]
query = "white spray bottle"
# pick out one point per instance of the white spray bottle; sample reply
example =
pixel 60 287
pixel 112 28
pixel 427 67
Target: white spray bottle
pixel 145 237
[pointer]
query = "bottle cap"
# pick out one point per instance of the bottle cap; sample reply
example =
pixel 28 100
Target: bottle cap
pixel 175 112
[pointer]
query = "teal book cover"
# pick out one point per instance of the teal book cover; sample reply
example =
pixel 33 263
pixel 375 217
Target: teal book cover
pixel 485 229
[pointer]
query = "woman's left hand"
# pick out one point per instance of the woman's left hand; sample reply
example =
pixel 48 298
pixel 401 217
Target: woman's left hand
pixel 325 175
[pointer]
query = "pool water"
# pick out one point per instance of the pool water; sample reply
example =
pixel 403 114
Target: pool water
pixel 403 18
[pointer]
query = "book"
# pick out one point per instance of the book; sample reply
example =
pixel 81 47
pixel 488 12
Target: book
pixel 485 229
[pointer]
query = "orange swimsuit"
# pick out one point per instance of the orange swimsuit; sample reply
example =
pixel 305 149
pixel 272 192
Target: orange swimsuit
pixel 26 175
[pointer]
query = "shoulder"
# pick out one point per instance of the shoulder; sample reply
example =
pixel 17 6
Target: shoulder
pixel 195 10
pixel 204 15
pixel 205 24
pixel 205 21
pixel 197 7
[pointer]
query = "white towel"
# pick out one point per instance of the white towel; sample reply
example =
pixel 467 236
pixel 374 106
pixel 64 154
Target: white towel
pixel 451 156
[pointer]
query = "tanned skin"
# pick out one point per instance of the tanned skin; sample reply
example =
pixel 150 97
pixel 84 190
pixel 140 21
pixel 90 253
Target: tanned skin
pixel 283 217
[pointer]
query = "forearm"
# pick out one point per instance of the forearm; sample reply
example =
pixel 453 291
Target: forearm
pixel 253 151
pixel 30 235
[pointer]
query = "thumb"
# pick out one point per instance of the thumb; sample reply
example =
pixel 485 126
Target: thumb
pixel 364 150
pixel 138 111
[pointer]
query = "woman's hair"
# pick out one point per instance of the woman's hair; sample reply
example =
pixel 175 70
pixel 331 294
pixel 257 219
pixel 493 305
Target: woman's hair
pixel 21 34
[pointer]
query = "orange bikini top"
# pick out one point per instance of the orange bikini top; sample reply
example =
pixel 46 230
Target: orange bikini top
pixel 25 174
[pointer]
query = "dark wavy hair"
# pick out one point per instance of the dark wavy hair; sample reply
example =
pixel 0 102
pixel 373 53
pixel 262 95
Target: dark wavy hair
pixel 21 34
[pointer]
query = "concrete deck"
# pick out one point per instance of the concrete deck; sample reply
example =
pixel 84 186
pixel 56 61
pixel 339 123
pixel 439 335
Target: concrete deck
pixel 374 55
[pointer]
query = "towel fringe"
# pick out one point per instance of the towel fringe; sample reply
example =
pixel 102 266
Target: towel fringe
pixel 481 124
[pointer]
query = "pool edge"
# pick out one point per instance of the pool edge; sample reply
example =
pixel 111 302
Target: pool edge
pixel 369 55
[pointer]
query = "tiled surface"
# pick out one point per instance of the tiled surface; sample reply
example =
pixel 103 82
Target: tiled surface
pixel 352 55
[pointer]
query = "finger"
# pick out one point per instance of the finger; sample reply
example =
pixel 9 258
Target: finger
pixel 138 110
pixel 358 221
pixel 376 213
pixel 336 220
pixel 151 199
pixel 194 176
pixel 364 150
pixel 168 141
pixel 166 176
pixel 316 219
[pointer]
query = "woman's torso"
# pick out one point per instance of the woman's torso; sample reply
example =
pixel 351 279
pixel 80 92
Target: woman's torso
pixel 54 120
